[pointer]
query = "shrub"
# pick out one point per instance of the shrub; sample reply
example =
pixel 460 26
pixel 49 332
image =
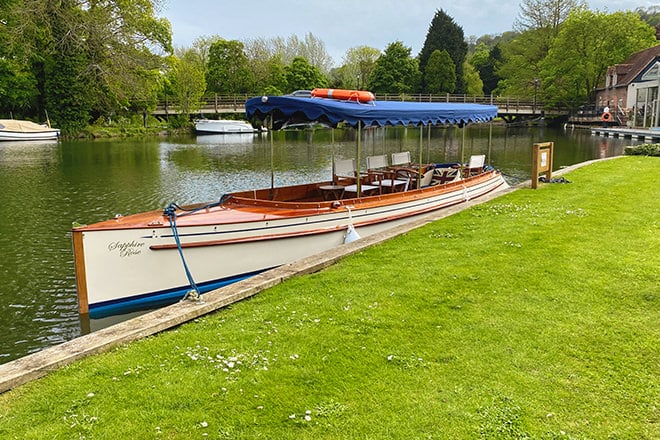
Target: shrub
pixel 643 150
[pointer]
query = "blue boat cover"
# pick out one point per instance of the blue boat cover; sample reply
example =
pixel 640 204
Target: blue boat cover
pixel 294 109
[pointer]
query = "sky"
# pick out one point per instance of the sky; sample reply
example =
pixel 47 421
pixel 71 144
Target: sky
pixel 344 24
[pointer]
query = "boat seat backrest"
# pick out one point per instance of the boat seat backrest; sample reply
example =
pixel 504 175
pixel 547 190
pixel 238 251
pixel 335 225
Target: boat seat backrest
pixel 345 168
pixel 376 162
pixel 477 161
pixel 402 158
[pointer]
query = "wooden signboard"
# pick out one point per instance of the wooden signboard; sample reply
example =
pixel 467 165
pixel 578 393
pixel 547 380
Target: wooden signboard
pixel 541 162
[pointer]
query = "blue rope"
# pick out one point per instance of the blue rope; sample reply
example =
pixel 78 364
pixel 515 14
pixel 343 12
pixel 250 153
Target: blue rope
pixel 170 212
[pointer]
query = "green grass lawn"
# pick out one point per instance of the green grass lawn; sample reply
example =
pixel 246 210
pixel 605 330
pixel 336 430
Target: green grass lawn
pixel 536 315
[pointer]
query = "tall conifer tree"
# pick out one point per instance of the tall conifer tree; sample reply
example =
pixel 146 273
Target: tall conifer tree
pixel 444 34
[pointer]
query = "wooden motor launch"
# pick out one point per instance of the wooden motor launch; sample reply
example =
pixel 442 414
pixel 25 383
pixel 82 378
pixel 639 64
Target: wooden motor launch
pixel 154 258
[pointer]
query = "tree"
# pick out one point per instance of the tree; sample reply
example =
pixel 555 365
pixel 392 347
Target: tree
pixel 522 58
pixel 440 73
pixel 395 71
pixel 88 57
pixel 489 72
pixel 359 63
pixel 301 75
pixel 199 52
pixel 650 15
pixel 587 44
pixel 487 63
pixel 228 70
pixel 311 48
pixel 545 14
pixel 66 100
pixel 187 83
pixel 538 24
pixel 444 34
pixel 266 65
pixel 474 86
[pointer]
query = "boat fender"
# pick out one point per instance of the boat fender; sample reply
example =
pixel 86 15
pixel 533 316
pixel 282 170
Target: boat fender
pixel 351 233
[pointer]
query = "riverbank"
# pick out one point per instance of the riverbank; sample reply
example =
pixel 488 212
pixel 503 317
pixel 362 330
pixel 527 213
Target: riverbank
pixel 534 314
pixel 137 126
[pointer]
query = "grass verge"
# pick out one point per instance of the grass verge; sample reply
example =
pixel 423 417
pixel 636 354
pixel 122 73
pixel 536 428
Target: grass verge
pixel 532 316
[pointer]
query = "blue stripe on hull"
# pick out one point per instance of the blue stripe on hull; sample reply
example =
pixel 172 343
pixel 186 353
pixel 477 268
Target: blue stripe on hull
pixel 157 299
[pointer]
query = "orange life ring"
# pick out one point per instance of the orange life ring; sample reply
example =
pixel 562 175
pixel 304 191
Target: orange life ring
pixel 606 117
pixel 344 95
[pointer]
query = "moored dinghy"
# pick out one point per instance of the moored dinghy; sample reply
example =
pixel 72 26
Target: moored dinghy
pixel 153 258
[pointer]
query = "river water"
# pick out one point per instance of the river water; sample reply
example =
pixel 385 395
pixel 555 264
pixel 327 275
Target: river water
pixel 47 186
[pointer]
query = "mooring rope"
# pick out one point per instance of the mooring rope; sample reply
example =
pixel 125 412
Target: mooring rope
pixel 170 212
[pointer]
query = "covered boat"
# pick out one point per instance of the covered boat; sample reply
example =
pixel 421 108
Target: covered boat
pixel 157 257
pixel 18 130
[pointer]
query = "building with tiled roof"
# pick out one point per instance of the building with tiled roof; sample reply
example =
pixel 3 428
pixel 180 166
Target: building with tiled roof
pixel 631 89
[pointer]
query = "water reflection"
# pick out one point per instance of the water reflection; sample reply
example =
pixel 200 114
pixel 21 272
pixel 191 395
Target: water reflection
pixel 48 185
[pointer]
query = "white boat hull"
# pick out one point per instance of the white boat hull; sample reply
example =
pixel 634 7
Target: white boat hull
pixel 121 269
pixel 19 130
pixel 223 126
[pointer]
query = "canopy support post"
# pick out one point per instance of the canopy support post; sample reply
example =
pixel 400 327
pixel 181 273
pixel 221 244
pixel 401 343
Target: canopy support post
pixel 332 155
pixel 428 143
pixel 490 141
pixel 358 160
pixel 421 153
pixel 272 157
pixel 463 145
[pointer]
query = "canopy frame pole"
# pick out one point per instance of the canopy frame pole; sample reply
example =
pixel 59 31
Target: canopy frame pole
pixel 428 143
pixel 490 141
pixel 358 159
pixel 463 145
pixel 332 155
pixel 421 154
pixel 272 156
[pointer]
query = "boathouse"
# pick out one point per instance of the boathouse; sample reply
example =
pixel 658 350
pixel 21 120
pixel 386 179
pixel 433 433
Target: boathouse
pixel 631 89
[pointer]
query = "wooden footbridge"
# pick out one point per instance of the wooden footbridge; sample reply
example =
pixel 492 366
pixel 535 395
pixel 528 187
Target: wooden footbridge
pixel 512 110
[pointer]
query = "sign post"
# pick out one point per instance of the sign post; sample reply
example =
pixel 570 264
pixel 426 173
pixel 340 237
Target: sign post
pixel 541 162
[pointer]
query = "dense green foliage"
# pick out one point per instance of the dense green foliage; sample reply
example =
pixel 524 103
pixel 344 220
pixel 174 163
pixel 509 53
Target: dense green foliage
pixel 444 34
pixel 79 60
pixel 487 62
pixel 563 50
pixel 533 316
pixel 187 83
pixel 474 86
pixel 440 73
pixel 577 62
pixel 644 150
pixel 228 68
pixel 358 66
pixel 395 71
pixel 301 75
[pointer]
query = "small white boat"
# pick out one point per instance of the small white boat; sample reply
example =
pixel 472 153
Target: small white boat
pixel 223 126
pixel 153 258
pixel 18 130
